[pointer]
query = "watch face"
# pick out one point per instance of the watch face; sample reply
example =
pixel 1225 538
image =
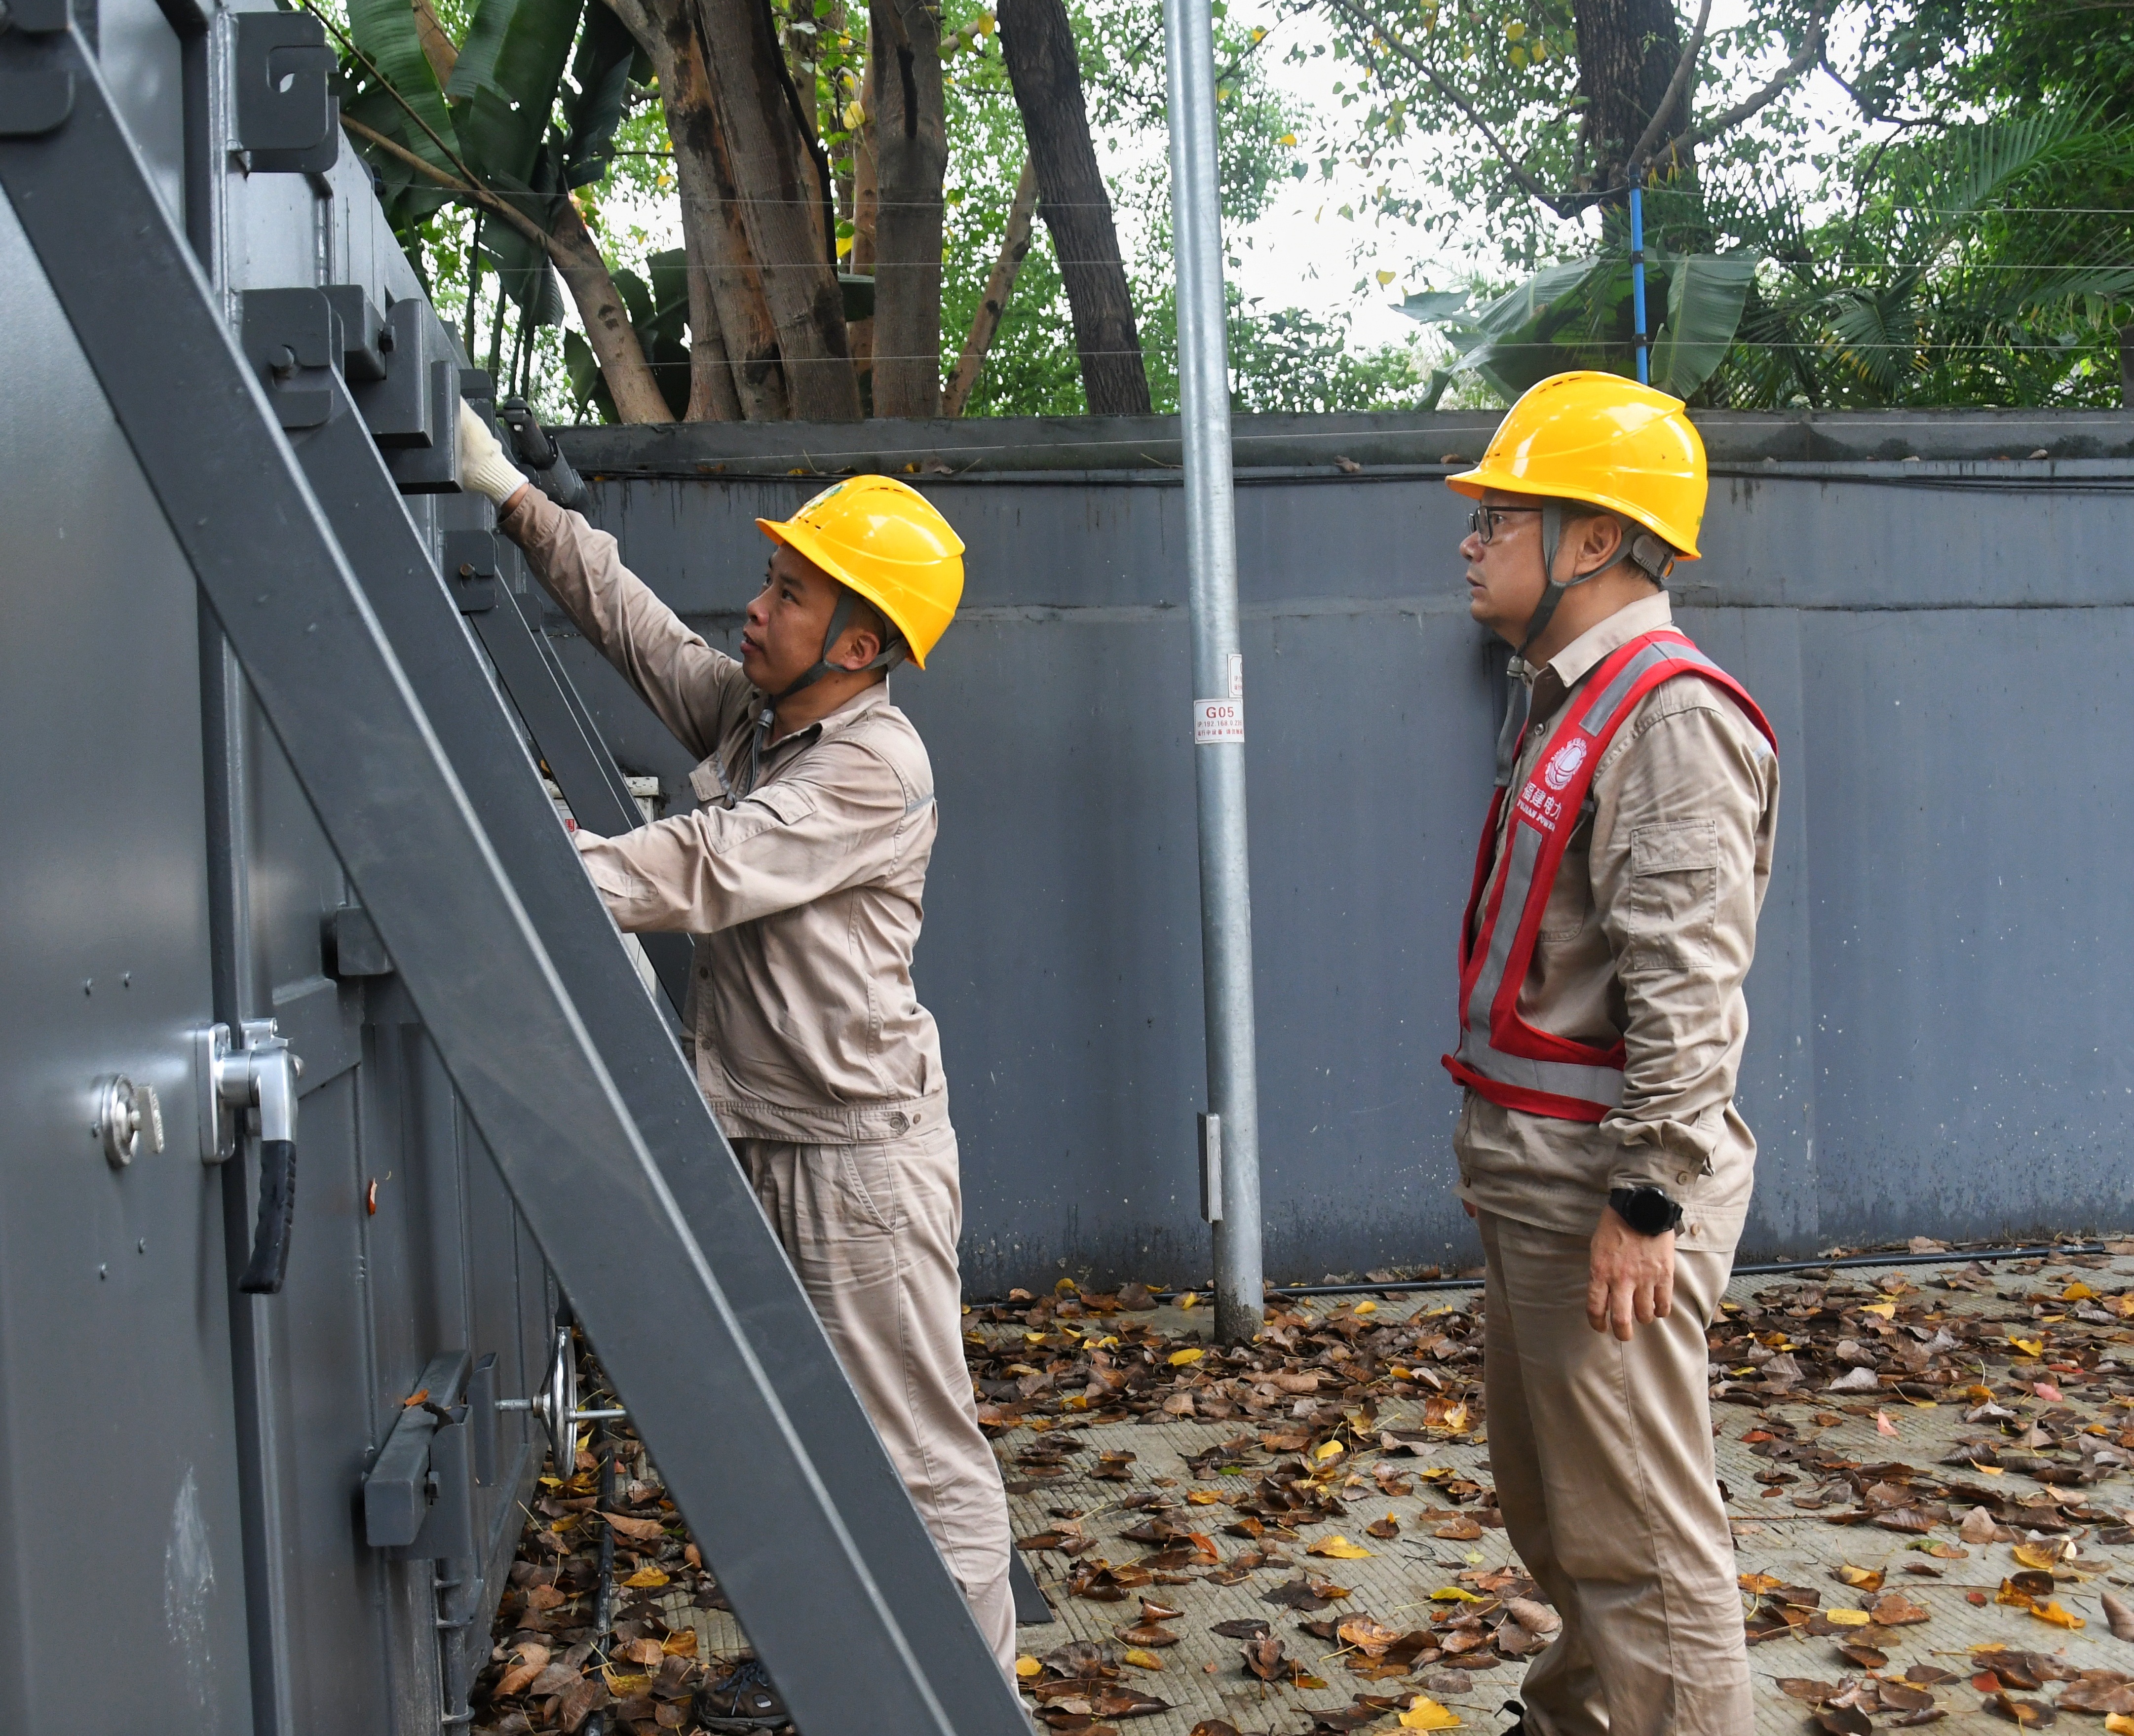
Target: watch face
pixel 1650 1212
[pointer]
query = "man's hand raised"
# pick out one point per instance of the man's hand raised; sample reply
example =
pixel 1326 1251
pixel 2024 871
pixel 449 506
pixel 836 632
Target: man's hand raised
pixel 1631 1281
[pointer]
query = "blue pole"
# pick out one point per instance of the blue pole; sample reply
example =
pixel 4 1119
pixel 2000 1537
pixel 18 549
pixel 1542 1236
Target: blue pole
pixel 1637 283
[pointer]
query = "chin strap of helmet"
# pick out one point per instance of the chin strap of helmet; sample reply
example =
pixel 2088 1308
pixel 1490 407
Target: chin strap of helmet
pixel 841 617
pixel 1644 551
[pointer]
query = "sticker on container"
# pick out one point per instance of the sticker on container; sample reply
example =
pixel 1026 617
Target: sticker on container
pixel 1218 720
pixel 1237 663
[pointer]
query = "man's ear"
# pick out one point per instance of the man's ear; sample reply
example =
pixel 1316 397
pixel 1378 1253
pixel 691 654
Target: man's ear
pixel 1603 544
pixel 859 647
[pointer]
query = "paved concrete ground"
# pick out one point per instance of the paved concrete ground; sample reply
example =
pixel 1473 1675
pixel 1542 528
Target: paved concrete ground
pixel 1203 1677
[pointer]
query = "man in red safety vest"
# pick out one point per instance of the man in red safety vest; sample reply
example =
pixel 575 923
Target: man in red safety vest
pixel 1601 1022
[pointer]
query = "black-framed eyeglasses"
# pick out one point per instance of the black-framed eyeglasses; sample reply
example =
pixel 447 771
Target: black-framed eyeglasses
pixel 1482 519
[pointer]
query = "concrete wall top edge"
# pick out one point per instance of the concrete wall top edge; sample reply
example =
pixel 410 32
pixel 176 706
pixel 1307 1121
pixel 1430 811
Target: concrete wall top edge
pixel 1151 444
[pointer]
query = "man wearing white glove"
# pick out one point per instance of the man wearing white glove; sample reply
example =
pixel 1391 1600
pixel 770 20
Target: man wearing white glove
pixel 801 876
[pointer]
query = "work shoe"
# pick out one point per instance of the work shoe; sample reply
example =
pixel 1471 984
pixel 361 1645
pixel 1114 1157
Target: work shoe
pixel 742 1699
pixel 1518 1726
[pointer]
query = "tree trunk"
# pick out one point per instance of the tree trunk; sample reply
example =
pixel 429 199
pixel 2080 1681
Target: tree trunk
pixel 614 340
pixel 911 156
pixel 985 323
pixel 733 346
pixel 780 206
pixel 1038 43
pixel 1628 50
pixel 866 201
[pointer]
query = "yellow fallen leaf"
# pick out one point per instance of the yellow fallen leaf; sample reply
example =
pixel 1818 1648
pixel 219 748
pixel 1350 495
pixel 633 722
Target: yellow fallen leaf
pixel 1453 1594
pixel 1870 1577
pixel 1366 1306
pixel 1756 1584
pixel 2030 1347
pixel 1180 1358
pixel 2078 1291
pixel 1849 1618
pixel 623 1686
pixel 1026 1667
pixel 2043 1555
pixel 682 1642
pixel 1403 1374
pixel 1203 1497
pixel 1987 1470
pixel 2060 1617
pixel 1142 1658
pixel 1327 1449
pixel 1339 1547
pixel 1426 1715
pixel 2118 1723
pixel 1191 1298
pixel 644 1579
pixel 1384 278
pixel 1887 1310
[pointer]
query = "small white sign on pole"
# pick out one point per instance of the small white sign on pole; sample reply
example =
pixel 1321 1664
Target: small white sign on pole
pixel 1218 720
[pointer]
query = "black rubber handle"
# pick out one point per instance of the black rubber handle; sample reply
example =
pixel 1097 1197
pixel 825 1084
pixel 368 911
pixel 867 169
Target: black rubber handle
pixel 277 1211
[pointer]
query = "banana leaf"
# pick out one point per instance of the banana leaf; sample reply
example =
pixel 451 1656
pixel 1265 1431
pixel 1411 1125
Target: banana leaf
pixel 1705 295
pixel 385 36
pixel 505 86
pixel 601 76
pixel 1580 314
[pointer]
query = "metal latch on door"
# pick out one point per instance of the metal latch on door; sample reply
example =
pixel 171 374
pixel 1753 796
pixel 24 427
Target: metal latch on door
pixel 260 1077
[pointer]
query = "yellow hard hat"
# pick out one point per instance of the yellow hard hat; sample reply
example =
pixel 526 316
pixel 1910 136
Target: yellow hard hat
pixel 1606 441
pixel 885 541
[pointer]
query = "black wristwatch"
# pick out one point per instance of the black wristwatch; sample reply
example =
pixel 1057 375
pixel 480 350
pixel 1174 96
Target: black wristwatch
pixel 1647 1210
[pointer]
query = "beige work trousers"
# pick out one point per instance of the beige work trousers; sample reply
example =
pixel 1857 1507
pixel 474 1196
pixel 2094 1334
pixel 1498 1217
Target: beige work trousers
pixel 1602 1456
pixel 872 1230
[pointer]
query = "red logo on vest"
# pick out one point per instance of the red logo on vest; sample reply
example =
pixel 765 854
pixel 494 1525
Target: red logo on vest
pixel 1564 763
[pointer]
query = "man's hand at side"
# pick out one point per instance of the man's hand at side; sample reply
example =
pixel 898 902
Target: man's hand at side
pixel 1631 1281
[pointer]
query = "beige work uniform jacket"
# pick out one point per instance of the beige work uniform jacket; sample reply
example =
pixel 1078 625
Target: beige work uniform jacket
pixel 1649 931
pixel 804 896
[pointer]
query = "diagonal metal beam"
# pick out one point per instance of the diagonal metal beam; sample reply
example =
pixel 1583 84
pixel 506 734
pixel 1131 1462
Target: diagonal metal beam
pixel 578 759
pixel 578 1088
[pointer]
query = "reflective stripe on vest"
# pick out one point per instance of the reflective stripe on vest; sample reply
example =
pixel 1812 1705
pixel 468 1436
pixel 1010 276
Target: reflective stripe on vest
pixel 1501 1056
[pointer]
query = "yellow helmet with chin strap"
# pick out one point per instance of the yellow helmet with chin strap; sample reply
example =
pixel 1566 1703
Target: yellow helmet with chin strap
pixel 885 542
pixel 1607 441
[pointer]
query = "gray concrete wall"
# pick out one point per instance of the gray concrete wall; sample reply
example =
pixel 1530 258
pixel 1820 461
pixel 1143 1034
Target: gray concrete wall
pixel 1934 620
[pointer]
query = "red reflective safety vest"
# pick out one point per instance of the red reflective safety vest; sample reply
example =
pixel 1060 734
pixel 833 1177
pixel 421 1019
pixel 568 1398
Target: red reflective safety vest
pixel 1508 1061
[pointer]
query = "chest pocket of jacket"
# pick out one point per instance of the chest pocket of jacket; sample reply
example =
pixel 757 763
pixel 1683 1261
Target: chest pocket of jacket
pixel 1674 893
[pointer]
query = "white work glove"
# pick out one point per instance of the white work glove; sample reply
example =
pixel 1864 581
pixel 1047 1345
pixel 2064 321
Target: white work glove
pixel 484 469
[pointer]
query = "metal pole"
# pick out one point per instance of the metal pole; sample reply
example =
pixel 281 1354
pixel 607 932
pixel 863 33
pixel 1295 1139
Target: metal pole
pixel 1219 724
pixel 1637 279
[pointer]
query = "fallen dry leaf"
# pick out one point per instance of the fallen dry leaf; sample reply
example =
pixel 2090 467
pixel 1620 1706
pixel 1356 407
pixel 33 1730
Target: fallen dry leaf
pixel 521 1675
pixel 1340 1549
pixel 1426 1713
pixel 1862 1578
pixel 646 1579
pixel 638 1530
pixel 2118 1617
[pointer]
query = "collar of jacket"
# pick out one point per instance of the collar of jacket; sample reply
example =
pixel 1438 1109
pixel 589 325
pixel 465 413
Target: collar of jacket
pixel 868 698
pixel 1586 653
